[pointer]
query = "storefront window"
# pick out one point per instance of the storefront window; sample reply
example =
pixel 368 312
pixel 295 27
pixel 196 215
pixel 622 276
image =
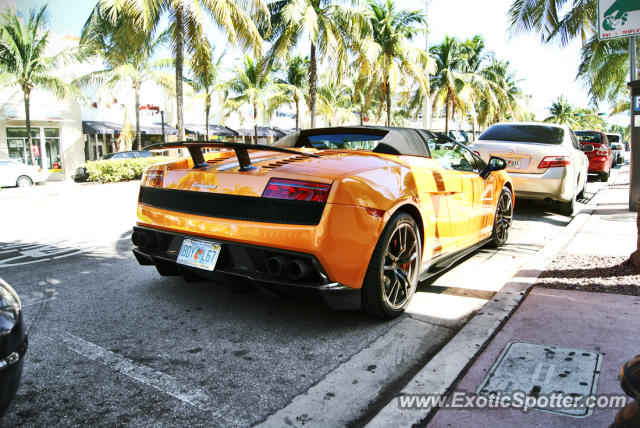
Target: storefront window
pixel 17 146
pixel 52 144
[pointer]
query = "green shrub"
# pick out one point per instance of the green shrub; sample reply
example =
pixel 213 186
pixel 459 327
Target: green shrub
pixel 111 171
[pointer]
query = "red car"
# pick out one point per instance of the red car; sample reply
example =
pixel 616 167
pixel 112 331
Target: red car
pixel 596 146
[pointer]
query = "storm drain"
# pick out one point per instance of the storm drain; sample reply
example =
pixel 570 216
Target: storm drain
pixel 549 378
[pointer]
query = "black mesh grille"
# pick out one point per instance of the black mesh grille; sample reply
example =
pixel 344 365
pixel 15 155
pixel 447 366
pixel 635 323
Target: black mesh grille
pixel 234 207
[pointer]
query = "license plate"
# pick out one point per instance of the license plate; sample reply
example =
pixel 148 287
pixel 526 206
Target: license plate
pixel 199 254
pixel 513 163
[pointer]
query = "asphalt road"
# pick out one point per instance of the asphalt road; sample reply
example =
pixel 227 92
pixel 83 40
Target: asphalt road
pixel 112 342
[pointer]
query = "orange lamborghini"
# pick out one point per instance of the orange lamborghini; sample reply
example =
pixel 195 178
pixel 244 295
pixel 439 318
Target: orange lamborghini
pixel 360 214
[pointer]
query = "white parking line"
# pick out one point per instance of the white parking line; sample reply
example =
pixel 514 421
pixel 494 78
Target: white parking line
pixel 143 374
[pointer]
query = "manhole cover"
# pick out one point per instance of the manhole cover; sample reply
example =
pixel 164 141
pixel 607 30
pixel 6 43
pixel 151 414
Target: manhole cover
pixel 539 371
pixel 621 217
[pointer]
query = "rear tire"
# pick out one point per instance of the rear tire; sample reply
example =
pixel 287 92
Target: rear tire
pixel 567 208
pixel 582 194
pixel 503 219
pixel 24 181
pixel 604 176
pixel 394 269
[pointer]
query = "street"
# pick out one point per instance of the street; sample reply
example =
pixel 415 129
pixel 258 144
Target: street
pixel 112 342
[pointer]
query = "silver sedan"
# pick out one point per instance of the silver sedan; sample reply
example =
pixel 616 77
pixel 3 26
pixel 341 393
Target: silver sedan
pixel 544 160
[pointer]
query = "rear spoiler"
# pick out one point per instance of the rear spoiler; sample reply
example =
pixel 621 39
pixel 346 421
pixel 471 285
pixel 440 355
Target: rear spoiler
pixel 241 149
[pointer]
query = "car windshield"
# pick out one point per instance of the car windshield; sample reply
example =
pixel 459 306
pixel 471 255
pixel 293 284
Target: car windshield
pixel 613 138
pixel 524 133
pixel 589 136
pixel 345 141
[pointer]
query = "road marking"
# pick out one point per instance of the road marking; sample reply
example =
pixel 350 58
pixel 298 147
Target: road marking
pixel 344 394
pixel 37 302
pixel 145 375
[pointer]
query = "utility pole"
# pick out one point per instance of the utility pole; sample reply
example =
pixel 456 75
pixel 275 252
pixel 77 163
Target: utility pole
pixel 426 105
pixel 164 137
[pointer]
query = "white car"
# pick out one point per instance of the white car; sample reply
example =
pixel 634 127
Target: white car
pixel 543 159
pixel 14 173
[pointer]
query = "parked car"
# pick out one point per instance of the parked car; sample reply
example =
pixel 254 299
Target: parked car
pixel 13 173
pixel 82 175
pixel 543 160
pixel 596 147
pixel 618 153
pixel 13 344
pixel 617 146
pixel 358 214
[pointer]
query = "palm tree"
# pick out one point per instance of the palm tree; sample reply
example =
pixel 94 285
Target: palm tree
pixel 252 85
pixel 396 59
pixel 604 68
pixel 334 101
pixel 296 77
pixel 450 84
pixel 561 111
pixel 188 28
pixel 23 61
pixel 509 96
pixel 126 52
pixel 329 28
pixel 206 71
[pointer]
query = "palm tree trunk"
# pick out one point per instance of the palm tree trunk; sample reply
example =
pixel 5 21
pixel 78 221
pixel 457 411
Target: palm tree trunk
pixel 179 35
pixel 361 118
pixel 312 84
pixel 255 123
pixel 446 118
pixel 207 109
pixel 297 101
pixel 27 121
pixel 136 89
pixel 388 99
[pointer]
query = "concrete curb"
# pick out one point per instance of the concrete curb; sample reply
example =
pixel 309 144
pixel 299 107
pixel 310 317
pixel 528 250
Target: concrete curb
pixel 450 364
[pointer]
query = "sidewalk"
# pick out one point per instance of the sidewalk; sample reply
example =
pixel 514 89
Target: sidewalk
pixel 576 303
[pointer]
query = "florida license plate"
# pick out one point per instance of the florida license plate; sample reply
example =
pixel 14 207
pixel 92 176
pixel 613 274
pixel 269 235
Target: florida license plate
pixel 199 254
pixel 513 163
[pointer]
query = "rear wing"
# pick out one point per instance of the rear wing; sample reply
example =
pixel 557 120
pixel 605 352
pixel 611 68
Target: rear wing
pixel 241 149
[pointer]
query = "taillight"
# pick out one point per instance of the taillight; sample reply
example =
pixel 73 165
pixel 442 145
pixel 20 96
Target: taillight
pixel 602 151
pixel 554 161
pixel 297 190
pixel 153 178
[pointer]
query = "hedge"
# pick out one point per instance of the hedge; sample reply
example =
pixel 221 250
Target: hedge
pixel 111 171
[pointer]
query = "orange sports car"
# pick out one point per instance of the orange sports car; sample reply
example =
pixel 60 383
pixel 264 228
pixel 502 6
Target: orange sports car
pixel 360 214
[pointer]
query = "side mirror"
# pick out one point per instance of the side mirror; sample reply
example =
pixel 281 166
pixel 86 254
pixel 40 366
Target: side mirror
pixel 495 164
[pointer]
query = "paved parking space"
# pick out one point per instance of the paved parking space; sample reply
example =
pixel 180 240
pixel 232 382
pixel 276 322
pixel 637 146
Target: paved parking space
pixel 112 342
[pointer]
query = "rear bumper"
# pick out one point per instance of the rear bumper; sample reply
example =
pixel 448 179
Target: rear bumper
pixel 249 262
pixel 342 243
pixel 552 184
pixel 596 166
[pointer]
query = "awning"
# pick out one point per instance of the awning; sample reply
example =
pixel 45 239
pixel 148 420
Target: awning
pixel 90 127
pixel 192 128
pixel 156 129
pixel 263 131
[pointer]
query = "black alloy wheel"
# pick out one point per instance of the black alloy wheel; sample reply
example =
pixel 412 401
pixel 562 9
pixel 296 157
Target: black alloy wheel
pixel 392 276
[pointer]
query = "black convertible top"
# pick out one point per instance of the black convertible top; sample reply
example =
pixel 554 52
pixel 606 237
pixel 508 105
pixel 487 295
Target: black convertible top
pixel 399 141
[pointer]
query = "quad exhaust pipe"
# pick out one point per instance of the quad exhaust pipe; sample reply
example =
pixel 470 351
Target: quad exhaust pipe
pixel 295 269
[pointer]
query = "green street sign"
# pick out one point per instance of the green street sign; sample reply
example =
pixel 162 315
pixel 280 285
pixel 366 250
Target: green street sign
pixel 618 18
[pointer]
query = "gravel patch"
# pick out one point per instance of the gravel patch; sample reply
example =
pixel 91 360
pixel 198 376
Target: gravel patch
pixel 604 274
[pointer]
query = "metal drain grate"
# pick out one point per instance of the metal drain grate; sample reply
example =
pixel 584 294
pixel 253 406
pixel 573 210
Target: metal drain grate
pixel 542 370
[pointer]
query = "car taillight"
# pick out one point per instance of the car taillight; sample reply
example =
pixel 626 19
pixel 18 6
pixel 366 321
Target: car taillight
pixel 554 161
pixel 297 190
pixel 153 178
pixel 602 151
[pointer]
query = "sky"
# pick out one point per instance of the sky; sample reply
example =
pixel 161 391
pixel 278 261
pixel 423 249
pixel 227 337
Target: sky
pixel 546 71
